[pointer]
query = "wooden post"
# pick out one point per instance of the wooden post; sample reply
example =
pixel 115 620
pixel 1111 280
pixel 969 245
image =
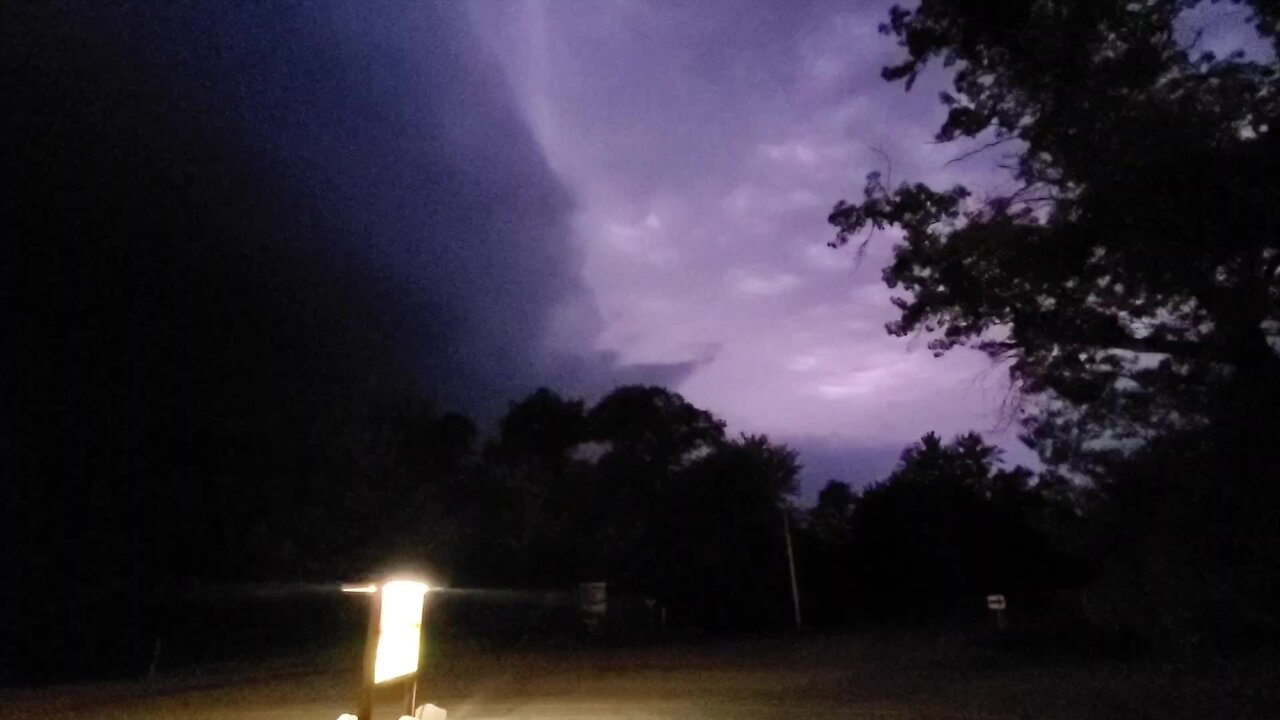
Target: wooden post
pixel 364 710
pixel 155 658
pixel 415 688
pixel 791 567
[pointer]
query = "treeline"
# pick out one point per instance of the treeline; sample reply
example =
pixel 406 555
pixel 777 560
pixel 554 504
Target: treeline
pixel 947 528
pixel 642 490
pixel 1169 553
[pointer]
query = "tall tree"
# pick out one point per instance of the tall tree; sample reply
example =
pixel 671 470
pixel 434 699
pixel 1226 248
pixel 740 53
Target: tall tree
pixel 946 528
pixel 653 425
pixel 829 519
pixel 723 561
pixel 652 435
pixel 542 428
pixel 1131 279
pixel 534 490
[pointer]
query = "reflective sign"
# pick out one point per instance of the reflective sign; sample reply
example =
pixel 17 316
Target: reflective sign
pixel 399 630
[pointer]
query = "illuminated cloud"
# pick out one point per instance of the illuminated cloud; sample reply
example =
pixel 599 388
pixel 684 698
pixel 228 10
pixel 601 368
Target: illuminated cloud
pixel 763 284
pixel 704 145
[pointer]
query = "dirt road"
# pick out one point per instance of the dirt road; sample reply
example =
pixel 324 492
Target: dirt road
pixel 757 680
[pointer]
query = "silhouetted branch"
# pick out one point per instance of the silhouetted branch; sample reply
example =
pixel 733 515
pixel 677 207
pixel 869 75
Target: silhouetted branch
pixel 981 148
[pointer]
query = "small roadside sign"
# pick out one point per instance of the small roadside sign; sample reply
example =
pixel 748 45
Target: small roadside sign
pixel 996 604
pixel 393 650
pixel 593 603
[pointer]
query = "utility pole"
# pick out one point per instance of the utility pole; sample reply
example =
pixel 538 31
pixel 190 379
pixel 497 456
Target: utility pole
pixel 791 566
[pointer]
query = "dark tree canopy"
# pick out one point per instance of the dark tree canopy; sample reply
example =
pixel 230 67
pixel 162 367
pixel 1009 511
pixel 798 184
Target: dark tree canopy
pixel 948 527
pixel 543 427
pixel 651 424
pixel 829 519
pixel 720 535
pixel 1132 278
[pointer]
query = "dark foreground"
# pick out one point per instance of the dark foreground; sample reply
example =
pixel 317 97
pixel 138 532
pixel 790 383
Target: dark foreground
pixel 831 677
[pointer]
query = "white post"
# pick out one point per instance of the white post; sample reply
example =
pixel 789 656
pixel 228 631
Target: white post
pixel 155 658
pixel 791 566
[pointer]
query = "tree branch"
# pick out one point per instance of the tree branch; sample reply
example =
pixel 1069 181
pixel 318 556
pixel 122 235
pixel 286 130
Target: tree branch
pixel 1186 349
pixel 888 180
pixel 981 148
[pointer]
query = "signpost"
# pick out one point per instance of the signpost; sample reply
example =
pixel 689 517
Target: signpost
pixel 393 651
pixel 593 605
pixel 996 604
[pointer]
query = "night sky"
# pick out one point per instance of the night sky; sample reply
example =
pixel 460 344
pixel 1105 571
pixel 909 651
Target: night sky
pixel 276 204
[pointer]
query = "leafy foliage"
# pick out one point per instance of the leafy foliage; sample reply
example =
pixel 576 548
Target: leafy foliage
pixel 947 528
pixel 721 537
pixel 1131 281
pixel 1132 278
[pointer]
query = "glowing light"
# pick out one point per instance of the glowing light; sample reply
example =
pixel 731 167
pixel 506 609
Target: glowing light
pixel 399 630
pixel 360 589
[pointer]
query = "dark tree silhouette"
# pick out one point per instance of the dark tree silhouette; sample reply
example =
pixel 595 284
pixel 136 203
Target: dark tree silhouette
pixel 651 435
pixel 542 428
pixel 642 491
pixel 947 528
pixel 1132 278
pixel 829 519
pixel 720 538
pixel 532 487
pixel 826 557
pixel 653 426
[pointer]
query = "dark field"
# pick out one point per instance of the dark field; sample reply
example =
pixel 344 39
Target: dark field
pixel 809 677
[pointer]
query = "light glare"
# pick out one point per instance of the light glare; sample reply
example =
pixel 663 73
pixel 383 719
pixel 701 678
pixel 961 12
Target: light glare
pixel 399 630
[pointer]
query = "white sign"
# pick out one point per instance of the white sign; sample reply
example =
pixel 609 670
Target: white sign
pixel 995 602
pixel 399 630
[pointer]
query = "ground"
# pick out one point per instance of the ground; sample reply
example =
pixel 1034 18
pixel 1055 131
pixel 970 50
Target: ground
pixel 794 677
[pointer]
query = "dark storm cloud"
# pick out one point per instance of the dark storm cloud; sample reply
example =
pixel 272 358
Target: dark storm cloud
pixel 406 140
pixel 246 206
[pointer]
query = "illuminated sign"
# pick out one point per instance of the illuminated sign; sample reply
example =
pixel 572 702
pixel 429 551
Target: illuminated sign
pixel 399 630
